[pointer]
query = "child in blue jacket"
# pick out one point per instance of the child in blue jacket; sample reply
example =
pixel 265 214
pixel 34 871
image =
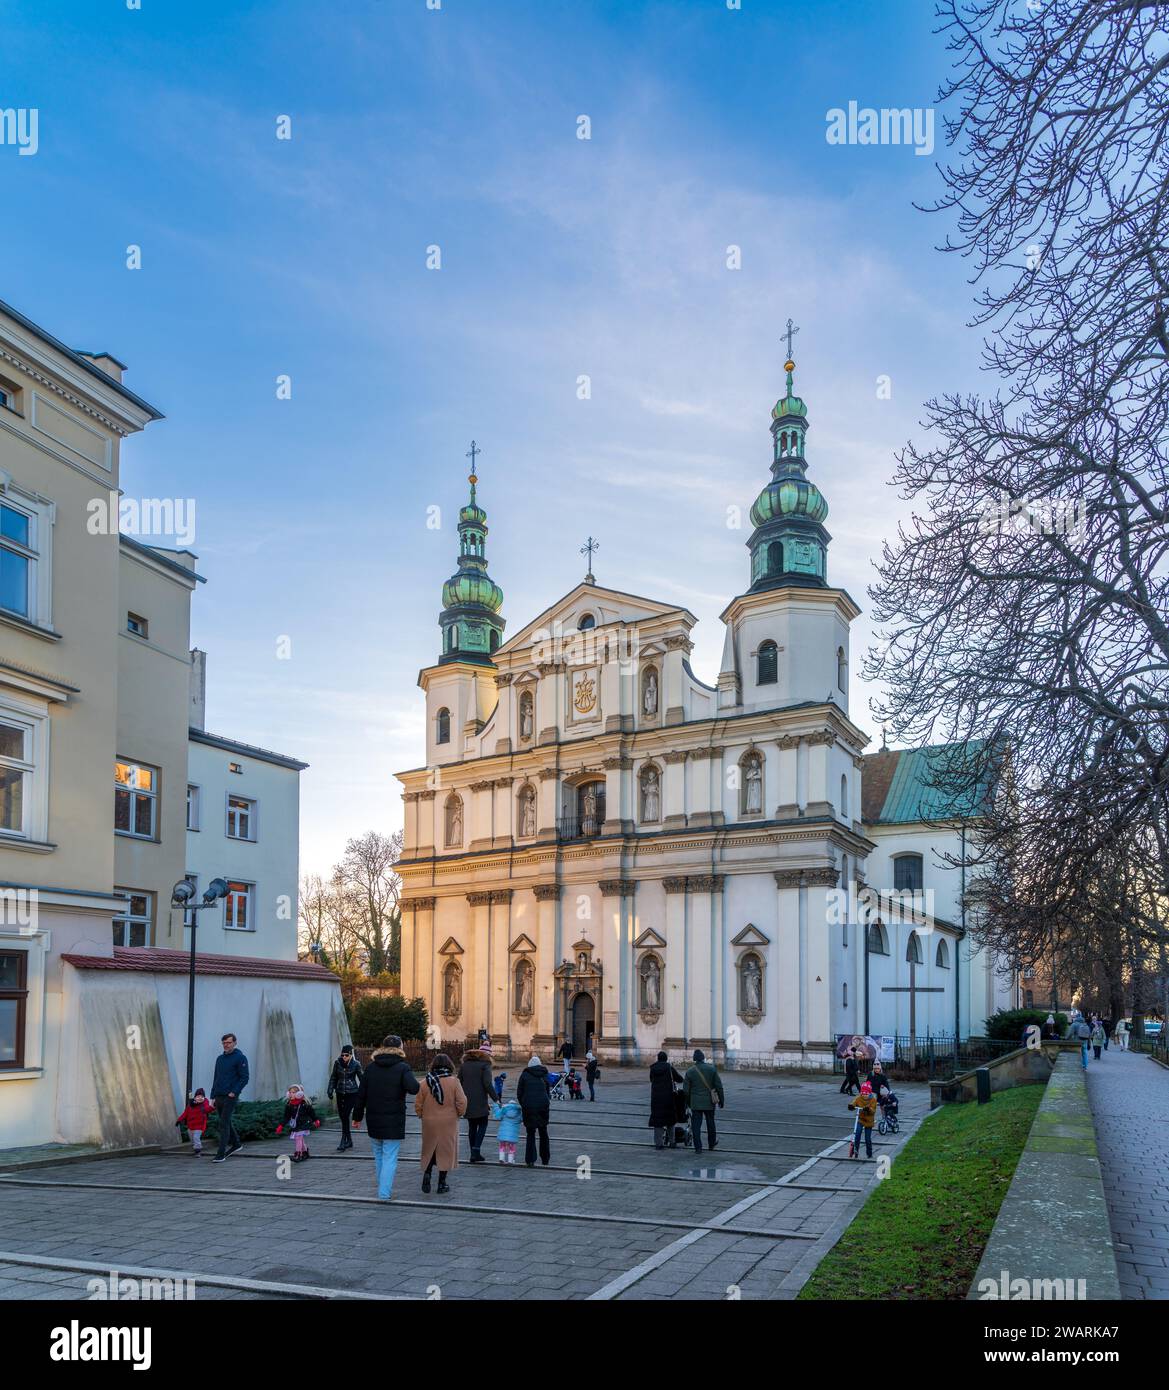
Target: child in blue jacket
pixel 508 1113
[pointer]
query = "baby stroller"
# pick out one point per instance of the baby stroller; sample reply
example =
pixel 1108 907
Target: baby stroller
pixel 682 1137
pixel 888 1123
pixel 557 1090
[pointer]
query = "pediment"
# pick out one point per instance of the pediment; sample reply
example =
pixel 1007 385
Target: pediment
pixel 751 936
pixel 608 606
pixel 650 938
pixel 522 945
pixel 450 947
pixel 583 945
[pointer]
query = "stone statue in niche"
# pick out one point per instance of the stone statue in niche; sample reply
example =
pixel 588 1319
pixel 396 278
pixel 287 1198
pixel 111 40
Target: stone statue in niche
pixel 451 991
pixel 751 974
pixel 651 801
pixel 454 822
pixel 527 813
pixel 649 699
pixel 526 720
pixel 651 985
pixel 753 788
pixel 523 987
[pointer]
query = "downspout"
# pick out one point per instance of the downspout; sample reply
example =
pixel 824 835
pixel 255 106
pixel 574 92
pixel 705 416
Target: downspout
pixel 958 953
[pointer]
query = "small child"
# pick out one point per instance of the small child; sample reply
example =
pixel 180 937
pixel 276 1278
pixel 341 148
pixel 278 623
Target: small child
pixel 498 1084
pixel 300 1117
pixel 575 1090
pixel 195 1119
pixel 508 1114
pixel 866 1107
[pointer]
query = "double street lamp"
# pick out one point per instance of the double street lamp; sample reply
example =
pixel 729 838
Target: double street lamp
pixel 182 895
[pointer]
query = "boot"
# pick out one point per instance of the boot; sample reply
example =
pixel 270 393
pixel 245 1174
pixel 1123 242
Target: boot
pixel 342 1146
pixel 443 1186
pixel 426 1182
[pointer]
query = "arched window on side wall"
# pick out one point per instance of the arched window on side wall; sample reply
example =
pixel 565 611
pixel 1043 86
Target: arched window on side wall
pixel 908 873
pixel 913 949
pixel 942 955
pixel 844 796
pixel 841 669
pixel 768 660
pixel 442 726
pixel 878 940
pixel 775 558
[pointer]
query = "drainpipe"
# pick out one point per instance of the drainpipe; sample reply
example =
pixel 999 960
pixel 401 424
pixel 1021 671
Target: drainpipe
pixel 958 954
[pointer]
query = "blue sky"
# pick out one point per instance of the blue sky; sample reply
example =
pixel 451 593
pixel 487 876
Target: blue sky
pixel 560 257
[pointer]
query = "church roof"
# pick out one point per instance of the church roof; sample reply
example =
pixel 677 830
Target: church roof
pixel 595 594
pixel 897 785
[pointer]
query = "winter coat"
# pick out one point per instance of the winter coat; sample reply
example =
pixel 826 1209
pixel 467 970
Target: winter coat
pixel 1098 1036
pixel 662 1079
pixel 231 1074
pixel 195 1115
pixel 440 1123
pixel 852 1067
pixel 532 1092
pixel 866 1108
pixel 1081 1031
pixel 879 1081
pixel 1120 1028
pixel 381 1097
pixel 591 1069
pixel 508 1116
pixel 299 1116
pixel 702 1083
pixel 346 1078
pixel 475 1079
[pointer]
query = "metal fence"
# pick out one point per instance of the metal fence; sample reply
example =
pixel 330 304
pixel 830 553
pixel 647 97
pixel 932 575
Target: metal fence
pixel 1154 1047
pixel 923 1058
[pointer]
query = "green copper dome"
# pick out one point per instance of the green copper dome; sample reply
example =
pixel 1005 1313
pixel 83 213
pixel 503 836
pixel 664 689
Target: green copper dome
pixel 790 404
pixel 467 588
pixel 789 497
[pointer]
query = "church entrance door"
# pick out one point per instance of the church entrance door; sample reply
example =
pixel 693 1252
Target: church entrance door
pixel 583 1023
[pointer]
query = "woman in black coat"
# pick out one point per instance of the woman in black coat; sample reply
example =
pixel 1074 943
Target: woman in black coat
pixel 662 1079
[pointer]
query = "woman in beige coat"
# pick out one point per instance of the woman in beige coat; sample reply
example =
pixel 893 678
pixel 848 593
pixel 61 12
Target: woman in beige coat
pixel 439 1104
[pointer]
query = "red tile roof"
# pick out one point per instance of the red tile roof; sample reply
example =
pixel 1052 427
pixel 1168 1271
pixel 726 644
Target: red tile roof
pixel 158 961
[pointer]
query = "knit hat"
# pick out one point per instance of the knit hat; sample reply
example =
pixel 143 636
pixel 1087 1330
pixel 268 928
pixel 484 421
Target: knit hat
pixel 662 1057
pixel 534 1061
pixel 866 1089
pixel 699 1055
pixel 485 1047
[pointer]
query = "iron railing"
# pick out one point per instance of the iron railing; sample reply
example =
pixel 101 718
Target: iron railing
pixel 925 1057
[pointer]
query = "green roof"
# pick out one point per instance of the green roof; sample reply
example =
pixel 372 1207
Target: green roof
pixel 897 785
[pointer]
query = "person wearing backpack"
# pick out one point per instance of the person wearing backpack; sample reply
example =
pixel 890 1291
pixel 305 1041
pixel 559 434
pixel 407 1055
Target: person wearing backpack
pixel 701 1085
pixel 344 1083
pixel 1083 1034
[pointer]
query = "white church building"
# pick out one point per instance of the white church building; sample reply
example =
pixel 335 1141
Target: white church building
pixel 602 845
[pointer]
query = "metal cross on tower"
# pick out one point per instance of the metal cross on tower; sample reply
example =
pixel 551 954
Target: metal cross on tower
pixel 472 453
pixel 792 330
pixel 589 548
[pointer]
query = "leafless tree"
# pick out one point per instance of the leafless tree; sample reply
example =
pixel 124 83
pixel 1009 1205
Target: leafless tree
pixel 368 885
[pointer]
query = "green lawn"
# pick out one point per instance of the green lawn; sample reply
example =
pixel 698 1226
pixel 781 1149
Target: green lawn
pixel 921 1233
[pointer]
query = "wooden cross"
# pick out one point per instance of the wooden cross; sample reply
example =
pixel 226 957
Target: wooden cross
pixel 789 335
pixel 589 548
pixel 913 989
pixel 472 453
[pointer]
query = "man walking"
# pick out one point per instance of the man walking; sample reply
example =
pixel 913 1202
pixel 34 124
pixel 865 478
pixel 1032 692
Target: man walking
pixel 701 1085
pixel 381 1102
pixel 1120 1033
pixel 1083 1034
pixel 231 1076
pixel 533 1095
pixel 566 1051
pixel 475 1079
pixel 344 1083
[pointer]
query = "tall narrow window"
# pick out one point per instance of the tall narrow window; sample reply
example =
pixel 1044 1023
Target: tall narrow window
pixel 18 557
pixel 942 955
pixel 442 726
pixel 913 948
pixel 844 796
pixel 132 927
pixel 135 800
pixel 841 669
pixel 13 1001
pixel 193 799
pixel 908 875
pixel 237 907
pixel 775 558
pixel 768 664
pixel 241 818
pixel 16 774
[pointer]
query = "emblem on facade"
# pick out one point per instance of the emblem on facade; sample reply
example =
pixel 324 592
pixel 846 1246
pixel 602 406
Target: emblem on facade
pixel 584 694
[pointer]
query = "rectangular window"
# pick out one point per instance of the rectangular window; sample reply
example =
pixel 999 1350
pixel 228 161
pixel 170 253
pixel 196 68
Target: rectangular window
pixel 133 927
pixel 13 1003
pixel 16 774
pixel 237 907
pixel 135 800
pixel 193 807
pixel 18 561
pixel 137 624
pixel 907 873
pixel 846 995
pixel 241 818
pixel 237 768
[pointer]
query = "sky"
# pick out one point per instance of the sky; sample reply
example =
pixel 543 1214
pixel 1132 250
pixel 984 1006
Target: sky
pixel 458 127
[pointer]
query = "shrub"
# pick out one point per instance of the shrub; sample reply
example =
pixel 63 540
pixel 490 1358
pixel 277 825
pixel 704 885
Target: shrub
pixel 257 1119
pixel 373 1018
pixel 1009 1023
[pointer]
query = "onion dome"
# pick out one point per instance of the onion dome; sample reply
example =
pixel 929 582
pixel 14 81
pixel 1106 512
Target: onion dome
pixel 471 599
pixel 790 405
pixel 789 497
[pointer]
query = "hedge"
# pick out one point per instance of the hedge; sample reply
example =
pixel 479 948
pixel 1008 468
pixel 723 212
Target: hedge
pixel 373 1018
pixel 257 1119
pixel 1009 1023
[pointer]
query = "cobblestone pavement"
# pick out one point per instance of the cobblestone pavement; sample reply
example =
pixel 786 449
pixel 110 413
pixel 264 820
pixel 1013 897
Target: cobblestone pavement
pixel 610 1218
pixel 1129 1095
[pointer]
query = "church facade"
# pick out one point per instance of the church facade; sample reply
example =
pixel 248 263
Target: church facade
pixel 603 846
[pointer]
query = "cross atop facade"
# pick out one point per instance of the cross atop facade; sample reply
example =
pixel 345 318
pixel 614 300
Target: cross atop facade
pixel 792 330
pixel 472 453
pixel 589 548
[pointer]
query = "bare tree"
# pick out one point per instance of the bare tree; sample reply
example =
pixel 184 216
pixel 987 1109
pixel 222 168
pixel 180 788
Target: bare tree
pixel 369 886
pixel 324 928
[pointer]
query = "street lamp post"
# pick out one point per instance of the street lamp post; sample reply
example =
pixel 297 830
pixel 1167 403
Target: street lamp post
pixel 182 896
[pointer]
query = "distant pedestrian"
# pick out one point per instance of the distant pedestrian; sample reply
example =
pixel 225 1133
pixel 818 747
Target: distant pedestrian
pixel 508 1115
pixel 439 1104
pixel 878 1080
pixel 344 1083
pixel 1083 1035
pixel 498 1085
pixel 852 1074
pixel 299 1119
pixel 592 1071
pixel 1120 1033
pixel 702 1085
pixel 1106 1024
pixel 866 1107
pixel 1097 1038
pixel 195 1119
pixel 566 1053
pixel 381 1103
pixel 663 1112
pixel 475 1079
pixel 1049 1026
pixel 533 1093
pixel 231 1076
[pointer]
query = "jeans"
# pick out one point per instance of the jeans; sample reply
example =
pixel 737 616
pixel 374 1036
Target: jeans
pixel 1096 1049
pixel 385 1164
pixel 345 1106
pixel 537 1124
pixel 857 1131
pixel 1084 1055
pixel 696 1126
pixel 228 1138
pixel 1124 1042
pixel 476 1129
pixel 592 1090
